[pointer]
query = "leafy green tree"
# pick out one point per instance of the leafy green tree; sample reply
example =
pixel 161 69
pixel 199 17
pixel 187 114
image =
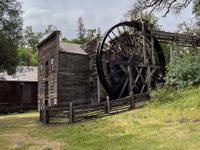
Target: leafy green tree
pixel 31 38
pixel 10 33
pixel 153 20
pixel 26 57
pixel 75 41
pixel 27 50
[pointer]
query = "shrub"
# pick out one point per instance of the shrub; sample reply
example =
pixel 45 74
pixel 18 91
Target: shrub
pixel 183 72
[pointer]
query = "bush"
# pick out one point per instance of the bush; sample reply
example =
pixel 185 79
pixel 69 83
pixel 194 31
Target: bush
pixel 183 72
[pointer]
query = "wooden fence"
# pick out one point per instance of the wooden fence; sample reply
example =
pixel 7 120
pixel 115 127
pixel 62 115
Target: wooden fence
pixel 70 114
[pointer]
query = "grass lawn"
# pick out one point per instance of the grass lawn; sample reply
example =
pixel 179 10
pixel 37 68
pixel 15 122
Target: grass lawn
pixel 174 125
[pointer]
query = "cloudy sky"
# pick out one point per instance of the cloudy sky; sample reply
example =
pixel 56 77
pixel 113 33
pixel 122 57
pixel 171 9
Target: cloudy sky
pixel 96 13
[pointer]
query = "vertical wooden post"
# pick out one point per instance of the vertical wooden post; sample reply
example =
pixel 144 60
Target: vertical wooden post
pixel 132 100
pixel 176 50
pixel 70 113
pixel 108 104
pixel 171 51
pixel 41 118
pixel 130 78
pixel 45 115
pixel 152 47
pixel 149 78
pixel 98 90
pixel 144 42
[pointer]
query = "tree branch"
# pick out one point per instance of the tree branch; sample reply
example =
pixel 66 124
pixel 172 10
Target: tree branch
pixel 176 6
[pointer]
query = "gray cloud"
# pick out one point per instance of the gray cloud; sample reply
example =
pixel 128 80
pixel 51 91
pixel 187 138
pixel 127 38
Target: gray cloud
pixel 64 14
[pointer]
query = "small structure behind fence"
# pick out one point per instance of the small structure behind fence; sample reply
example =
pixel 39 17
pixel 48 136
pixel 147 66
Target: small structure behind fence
pixel 70 113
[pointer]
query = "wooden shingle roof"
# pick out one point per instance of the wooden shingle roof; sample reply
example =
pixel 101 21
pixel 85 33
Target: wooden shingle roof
pixel 71 48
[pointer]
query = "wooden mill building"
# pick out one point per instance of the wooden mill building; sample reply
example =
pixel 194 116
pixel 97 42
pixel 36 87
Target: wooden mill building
pixel 64 74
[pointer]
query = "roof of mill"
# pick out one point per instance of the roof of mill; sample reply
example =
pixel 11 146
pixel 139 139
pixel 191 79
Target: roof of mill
pixel 72 48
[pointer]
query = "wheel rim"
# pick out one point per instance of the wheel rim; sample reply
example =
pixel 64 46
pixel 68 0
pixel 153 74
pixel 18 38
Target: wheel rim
pixel 123 43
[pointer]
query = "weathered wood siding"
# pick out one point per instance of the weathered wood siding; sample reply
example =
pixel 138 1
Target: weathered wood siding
pixel 91 49
pixel 18 93
pixel 73 79
pixel 47 50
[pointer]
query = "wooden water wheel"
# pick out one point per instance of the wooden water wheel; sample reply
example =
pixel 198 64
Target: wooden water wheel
pixel 129 59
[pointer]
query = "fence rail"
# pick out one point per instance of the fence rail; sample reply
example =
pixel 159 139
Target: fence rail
pixel 72 113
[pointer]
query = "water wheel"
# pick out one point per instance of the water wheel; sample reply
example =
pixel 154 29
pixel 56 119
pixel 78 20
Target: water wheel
pixel 126 55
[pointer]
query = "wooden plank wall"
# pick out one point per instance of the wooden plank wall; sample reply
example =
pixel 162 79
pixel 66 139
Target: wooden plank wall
pixel 91 49
pixel 73 79
pixel 14 94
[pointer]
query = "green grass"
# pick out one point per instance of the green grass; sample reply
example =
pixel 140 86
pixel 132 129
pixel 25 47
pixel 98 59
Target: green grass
pixel 188 98
pixel 170 121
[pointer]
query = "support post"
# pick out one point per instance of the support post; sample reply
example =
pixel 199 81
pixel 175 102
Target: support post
pixel 149 78
pixel 132 100
pixel 130 78
pixel 41 117
pixel 70 113
pixel 177 50
pixel 152 47
pixel 171 51
pixel 45 115
pixel 98 90
pixel 108 104
pixel 144 42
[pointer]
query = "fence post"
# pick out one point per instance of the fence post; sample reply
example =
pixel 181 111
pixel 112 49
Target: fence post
pixel 41 116
pixel 45 115
pixel 108 104
pixel 70 113
pixel 132 100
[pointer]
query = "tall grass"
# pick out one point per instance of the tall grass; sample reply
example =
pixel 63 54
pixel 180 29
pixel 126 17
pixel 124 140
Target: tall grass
pixel 180 99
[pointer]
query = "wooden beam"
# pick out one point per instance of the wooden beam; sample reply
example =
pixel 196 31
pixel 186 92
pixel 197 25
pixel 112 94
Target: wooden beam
pixel 144 42
pixel 123 88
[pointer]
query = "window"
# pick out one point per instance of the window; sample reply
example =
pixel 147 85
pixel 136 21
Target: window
pixel 55 101
pixel 52 85
pixel 41 69
pixel 52 102
pixel 46 68
pixel 91 81
pixel 52 63
pixel 46 89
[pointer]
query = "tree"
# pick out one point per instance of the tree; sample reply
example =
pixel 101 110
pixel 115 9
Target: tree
pixel 31 38
pixel 74 41
pixel 81 31
pixel 10 33
pixel 133 14
pixel 175 6
pixel 26 57
pixel 27 50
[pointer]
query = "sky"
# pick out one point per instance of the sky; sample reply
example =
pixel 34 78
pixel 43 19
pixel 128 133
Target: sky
pixel 104 14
